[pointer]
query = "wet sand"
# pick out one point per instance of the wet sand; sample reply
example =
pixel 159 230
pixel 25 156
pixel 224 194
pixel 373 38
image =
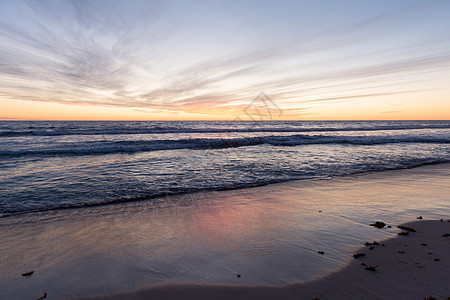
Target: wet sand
pixel 413 266
pixel 198 243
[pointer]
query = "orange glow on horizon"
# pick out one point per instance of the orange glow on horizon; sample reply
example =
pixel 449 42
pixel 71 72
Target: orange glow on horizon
pixel 352 110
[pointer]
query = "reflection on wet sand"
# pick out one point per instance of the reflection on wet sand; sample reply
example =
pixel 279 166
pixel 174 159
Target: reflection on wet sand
pixel 268 235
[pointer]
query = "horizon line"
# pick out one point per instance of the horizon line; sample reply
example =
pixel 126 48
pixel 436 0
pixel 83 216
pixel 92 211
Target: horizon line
pixel 209 120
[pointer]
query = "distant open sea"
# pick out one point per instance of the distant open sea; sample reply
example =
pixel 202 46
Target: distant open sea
pixel 54 165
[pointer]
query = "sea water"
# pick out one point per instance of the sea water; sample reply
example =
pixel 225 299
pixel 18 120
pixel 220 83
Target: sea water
pixel 48 165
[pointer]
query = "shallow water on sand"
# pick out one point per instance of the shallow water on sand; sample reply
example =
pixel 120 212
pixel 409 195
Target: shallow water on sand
pixel 268 235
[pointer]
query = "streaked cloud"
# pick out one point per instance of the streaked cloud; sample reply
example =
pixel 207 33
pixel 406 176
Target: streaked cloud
pixel 208 57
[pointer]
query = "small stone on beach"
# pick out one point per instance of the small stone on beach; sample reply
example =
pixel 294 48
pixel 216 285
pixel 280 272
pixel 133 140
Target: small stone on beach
pixel 403 233
pixel 358 255
pixel 378 224
pixel 419 218
pixel 28 273
pixel 371 244
pixel 321 252
pixel 371 268
pixel 410 229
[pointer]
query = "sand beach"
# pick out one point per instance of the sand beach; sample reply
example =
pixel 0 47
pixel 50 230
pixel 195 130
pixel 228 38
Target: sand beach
pixel 413 266
pixel 194 246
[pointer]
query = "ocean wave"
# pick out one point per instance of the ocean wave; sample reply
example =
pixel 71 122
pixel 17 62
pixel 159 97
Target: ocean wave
pixel 134 146
pixel 23 209
pixel 168 130
pixel 17 210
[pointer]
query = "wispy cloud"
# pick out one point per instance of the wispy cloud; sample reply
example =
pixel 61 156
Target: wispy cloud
pixel 159 56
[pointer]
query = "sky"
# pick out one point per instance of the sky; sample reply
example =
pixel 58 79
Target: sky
pixel 211 60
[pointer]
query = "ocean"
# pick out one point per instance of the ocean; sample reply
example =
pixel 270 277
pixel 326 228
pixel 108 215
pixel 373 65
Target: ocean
pixel 48 165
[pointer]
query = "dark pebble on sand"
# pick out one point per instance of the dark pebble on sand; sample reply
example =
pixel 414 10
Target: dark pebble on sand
pixel 28 273
pixel 371 244
pixel 371 268
pixel 406 228
pixel 358 255
pixel 378 224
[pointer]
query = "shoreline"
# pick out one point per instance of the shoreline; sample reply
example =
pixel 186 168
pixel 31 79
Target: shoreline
pixel 270 234
pixel 206 191
pixel 414 266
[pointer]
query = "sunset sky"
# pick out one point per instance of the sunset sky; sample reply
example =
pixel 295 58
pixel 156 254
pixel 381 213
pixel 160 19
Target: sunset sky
pixel 207 60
